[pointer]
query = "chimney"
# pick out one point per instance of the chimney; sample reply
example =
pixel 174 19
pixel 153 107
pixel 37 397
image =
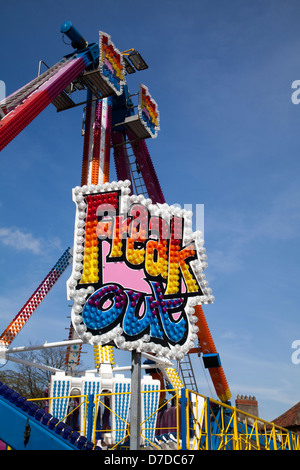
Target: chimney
pixel 247 404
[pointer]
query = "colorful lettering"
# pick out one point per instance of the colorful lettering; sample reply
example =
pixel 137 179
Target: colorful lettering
pixel 134 275
pixel 139 314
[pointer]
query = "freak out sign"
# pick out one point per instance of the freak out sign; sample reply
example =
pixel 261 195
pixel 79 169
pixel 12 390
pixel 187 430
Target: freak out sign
pixel 111 63
pixel 148 111
pixel 137 272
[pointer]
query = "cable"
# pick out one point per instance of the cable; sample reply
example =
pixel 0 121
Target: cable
pixel 207 381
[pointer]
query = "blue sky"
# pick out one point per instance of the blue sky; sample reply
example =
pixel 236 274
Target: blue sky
pixel 221 73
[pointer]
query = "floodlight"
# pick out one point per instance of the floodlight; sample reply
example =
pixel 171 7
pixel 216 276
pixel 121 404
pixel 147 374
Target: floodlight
pixel 137 60
pixel 128 67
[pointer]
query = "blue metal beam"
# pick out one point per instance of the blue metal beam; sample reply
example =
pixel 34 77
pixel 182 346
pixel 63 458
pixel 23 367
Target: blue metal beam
pixel 14 422
pixel 24 426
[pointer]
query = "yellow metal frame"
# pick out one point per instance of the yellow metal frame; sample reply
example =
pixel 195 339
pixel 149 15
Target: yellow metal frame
pixel 234 429
pixel 156 411
pixel 97 402
pixel 231 429
pixel 83 402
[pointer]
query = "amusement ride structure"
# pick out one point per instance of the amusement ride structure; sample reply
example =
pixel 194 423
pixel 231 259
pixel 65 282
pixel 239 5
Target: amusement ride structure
pixel 113 126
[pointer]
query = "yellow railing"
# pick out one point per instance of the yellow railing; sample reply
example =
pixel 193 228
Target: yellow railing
pixel 84 400
pixel 159 429
pixel 202 424
pixel 98 401
pixel 223 427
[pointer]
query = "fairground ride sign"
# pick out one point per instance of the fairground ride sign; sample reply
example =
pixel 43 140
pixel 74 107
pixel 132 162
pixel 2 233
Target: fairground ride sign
pixel 111 64
pixel 137 272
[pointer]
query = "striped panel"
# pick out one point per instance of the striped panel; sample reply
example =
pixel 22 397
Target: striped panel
pixel 120 405
pixel 150 405
pixel 61 389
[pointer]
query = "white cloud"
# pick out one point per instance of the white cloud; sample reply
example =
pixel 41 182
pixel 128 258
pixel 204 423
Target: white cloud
pixel 55 243
pixel 230 335
pixel 19 240
pixel 26 241
pixel 224 261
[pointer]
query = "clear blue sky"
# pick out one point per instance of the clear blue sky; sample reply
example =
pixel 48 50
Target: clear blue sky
pixel 221 73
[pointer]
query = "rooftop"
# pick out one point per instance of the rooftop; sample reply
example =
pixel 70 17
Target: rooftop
pixel 290 418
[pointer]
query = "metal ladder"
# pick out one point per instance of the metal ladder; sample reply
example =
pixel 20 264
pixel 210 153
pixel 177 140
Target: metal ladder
pixel 137 178
pixel 139 187
pixel 187 373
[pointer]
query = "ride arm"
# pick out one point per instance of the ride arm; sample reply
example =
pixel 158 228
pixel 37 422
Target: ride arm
pixel 34 301
pixel 26 104
pixel 208 348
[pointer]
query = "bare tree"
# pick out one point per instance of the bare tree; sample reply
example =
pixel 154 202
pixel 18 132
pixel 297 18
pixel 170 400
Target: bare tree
pixel 30 381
